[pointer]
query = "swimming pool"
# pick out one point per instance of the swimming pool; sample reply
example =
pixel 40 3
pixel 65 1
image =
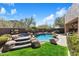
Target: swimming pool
pixel 44 37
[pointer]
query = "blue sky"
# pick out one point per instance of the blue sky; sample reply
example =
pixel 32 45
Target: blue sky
pixel 44 13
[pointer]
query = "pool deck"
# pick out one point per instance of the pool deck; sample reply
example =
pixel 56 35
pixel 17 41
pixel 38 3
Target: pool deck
pixel 62 40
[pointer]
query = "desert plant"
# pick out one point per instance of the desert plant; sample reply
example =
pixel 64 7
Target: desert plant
pixel 59 21
pixel 73 44
pixel 4 39
pixel 6 35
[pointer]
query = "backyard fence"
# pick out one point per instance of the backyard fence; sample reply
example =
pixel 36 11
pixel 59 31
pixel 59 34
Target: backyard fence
pixel 11 30
pixel 23 30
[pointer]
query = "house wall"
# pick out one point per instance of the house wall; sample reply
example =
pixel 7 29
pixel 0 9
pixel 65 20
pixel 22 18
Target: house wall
pixel 72 16
pixel 72 13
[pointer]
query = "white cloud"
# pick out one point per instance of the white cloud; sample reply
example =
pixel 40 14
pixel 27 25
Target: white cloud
pixel 51 18
pixel 38 23
pixel 48 18
pixel 13 11
pixel 2 10
pixel 61 12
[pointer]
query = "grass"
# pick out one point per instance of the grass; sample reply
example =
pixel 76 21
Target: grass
pixel 46 49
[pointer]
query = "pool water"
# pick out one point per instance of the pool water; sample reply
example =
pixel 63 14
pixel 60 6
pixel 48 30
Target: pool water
pixel 44 37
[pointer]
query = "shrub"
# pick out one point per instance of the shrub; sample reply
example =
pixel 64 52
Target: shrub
pixel 73 44
pixel 74 38
pixel 6 35
pixel 4 38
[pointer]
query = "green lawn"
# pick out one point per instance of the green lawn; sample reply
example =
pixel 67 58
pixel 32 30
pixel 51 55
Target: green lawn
pixel 46 49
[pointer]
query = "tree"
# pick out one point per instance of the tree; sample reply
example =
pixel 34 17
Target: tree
pixel 44 27
pixel 2 23
pixel 59 21
pixel 23 23
pixel 29 22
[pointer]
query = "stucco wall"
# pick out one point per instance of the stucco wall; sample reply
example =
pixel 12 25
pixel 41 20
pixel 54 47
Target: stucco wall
pixel 72 13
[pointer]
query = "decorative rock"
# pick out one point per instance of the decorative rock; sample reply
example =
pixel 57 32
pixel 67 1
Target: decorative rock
pixel 1 44
pixel 15 36
pixel 9 39
pixel 53 41
pixel 8 45
pixel 35 44
pixel 0 50
pixel 32 39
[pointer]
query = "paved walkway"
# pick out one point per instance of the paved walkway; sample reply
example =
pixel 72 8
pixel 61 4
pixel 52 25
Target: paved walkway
pixel 62 40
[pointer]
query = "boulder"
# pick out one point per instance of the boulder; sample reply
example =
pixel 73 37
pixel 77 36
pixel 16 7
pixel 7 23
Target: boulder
pixel 53 41
pixel 8 45
pixel 35 44
pixel 15 36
